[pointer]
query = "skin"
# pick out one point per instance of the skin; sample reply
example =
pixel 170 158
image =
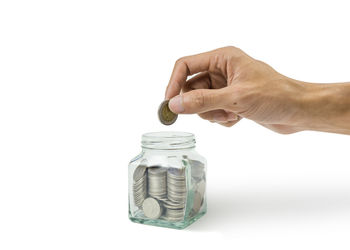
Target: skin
pixel 229 85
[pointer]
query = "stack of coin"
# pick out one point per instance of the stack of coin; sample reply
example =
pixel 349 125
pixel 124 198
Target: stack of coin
pixel 157 182
pixel 140 185
pixel 176 180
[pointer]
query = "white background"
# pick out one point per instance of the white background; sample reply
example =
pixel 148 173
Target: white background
pixel 80 81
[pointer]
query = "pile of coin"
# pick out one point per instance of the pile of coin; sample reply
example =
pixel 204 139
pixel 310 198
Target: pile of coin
pixel 162 192
pixel 140 184
pixel 157 184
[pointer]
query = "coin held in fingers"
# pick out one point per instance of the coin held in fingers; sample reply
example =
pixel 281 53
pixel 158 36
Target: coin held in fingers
pixel 166 116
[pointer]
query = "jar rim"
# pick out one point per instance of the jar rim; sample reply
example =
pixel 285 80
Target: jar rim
pixel 168 140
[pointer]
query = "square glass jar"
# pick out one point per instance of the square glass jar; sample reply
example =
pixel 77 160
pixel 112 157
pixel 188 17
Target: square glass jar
pixel 167 181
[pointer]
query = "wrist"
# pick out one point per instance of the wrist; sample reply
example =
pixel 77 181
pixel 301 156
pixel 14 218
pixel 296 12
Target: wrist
pixel 324 107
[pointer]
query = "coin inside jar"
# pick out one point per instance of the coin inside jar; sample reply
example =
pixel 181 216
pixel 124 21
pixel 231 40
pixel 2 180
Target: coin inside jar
pixel 151 208
pixel 165 115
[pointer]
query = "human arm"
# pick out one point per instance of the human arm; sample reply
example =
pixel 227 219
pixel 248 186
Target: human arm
pixel 230 85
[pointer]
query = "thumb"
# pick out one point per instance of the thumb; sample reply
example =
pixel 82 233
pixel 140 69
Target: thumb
pixel 198 101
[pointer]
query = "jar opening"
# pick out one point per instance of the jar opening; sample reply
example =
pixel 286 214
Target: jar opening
pixel 168 140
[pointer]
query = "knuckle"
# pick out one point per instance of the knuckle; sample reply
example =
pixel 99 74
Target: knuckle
pixel 180 61
pixel 232 49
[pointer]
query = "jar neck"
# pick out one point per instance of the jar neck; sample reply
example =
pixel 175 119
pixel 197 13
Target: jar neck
pixel 168 141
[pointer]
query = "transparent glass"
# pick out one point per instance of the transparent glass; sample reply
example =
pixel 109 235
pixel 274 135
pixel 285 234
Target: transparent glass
pixel 167 181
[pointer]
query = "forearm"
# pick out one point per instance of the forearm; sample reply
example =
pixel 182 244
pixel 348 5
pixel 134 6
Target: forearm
pixel 325 107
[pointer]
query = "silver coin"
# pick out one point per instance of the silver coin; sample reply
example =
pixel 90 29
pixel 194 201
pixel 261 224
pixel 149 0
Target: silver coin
pixel 177 184
pixel 140 186
pixel 176 189
pixel 170 202
pixel 174 207
pixel 139 189
pixel 151 208
pixel 157 177
pixel 176 194
pixel 177 199
pixel 175 212
pixel 163 199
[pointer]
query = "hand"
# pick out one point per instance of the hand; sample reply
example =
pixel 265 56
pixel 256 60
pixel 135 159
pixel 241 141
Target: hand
pixel 230 85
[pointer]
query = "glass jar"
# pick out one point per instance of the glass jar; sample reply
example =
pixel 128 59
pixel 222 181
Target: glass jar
pixel 167 181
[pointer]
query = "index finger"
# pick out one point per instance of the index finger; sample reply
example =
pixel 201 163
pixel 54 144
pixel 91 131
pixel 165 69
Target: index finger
pixel 185 67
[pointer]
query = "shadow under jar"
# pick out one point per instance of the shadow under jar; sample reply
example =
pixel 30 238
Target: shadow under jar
pixel 167 181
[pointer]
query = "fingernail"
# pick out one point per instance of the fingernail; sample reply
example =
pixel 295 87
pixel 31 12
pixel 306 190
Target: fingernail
pixel 219 118
pixel 176 105
pixel 232 117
